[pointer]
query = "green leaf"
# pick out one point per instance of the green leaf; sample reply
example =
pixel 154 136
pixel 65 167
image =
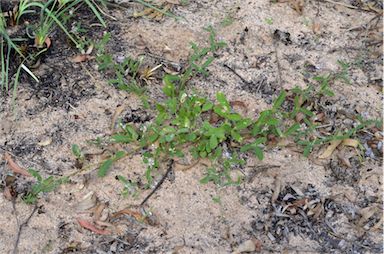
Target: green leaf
pixel 213 142
pixel 207 106
pixel 35 174
pixel 191 137
pixel 292 129
pixel 236 136
pixel 169 88
pixel 259 153
pixel 76 151
pixel 118 155
pixel 121 138
pixel 169 137
pixel 243 123
pixel 104 168
pixel 306 112
pixel 223 101
pixel 129 129
pixel 233 117
pixel 279 101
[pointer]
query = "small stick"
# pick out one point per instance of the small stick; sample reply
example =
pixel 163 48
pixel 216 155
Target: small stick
pixel 170 166
pixel 21 226
pixel 237 74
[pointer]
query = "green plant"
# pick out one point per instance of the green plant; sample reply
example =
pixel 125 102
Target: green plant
pixel 269 21
pixel 200 59
pixel 51 14
pixel 42 186
pixel 25 7
pixel 7 45
pixel 184 124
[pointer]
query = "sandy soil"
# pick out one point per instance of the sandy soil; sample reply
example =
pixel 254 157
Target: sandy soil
pixel 74 103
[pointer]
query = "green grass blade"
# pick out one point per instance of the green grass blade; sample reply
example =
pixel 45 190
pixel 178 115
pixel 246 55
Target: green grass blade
pixel 96 12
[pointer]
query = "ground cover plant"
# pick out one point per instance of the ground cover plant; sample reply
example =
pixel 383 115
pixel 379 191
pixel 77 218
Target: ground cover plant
pixel 180 126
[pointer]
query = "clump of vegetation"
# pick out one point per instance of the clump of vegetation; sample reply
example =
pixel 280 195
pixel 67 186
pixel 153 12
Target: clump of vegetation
pixel 190 125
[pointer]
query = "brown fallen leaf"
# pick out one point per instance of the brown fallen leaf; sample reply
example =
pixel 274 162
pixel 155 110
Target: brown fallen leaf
pixel 98 210
pixel 48 42
pixel 344 160
pixel 88 225
pixel 332 146
pixel 138 216
pixel 14 167
pixel 350 142
pixel 81 58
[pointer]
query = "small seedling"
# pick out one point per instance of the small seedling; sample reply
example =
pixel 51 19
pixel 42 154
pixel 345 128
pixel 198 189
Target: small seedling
pixel 269 21
pixel 42 186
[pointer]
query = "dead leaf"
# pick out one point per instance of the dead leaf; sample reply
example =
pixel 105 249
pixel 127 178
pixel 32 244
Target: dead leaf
pixel 88 225
pixel 48 42
pixel 332 146
pixel 81 58
pixel 350 142
pixel 87 202
pixel 344 160
pixel 14 167
pixel 98 210
pixel 138 216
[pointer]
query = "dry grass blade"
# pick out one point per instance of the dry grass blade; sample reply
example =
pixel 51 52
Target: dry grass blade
pixel 332 146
